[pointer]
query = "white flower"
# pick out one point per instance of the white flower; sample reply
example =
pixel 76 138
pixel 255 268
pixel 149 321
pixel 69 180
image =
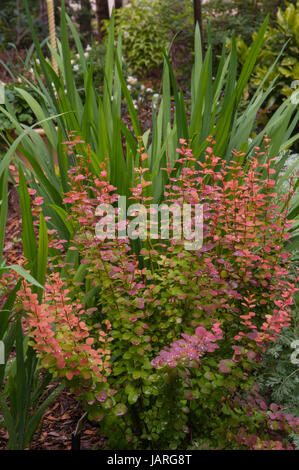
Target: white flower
pixel 129 87
pixel 37 61
pixel 86 54
pixel 132 80
pixel 88 47
pixel 149 90
pixel 31 70
pixel 156 96
pixel 76 68
pixel 78 56
pixel 126 34
pixel 72 61
pixel 142 87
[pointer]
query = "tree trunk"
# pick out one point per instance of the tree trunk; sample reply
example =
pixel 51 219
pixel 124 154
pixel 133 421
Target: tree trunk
pixel 84 19
pixel 198 18
pixel 102 14
pixel 118 3
pixel 43 10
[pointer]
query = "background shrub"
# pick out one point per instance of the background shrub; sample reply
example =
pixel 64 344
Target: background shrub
pixel 143 34
pixel 285 32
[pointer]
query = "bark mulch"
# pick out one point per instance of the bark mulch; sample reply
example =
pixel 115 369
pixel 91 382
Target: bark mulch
pixel 58 424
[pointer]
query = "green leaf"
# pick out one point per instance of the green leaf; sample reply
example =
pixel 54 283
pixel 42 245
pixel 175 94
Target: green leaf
pixel 38 414
pixel 3 208
pixel 22 272
pixel 129 101
pixel 42 257
pixel 28 234
pixel 120 409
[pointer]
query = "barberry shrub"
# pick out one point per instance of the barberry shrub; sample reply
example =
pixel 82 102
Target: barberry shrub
pixel 163 344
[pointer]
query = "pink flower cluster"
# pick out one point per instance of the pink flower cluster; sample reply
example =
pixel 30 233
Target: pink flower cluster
pixel 190 348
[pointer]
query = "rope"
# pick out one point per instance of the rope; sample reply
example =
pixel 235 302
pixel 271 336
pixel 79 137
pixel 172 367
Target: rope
pixel 51 22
